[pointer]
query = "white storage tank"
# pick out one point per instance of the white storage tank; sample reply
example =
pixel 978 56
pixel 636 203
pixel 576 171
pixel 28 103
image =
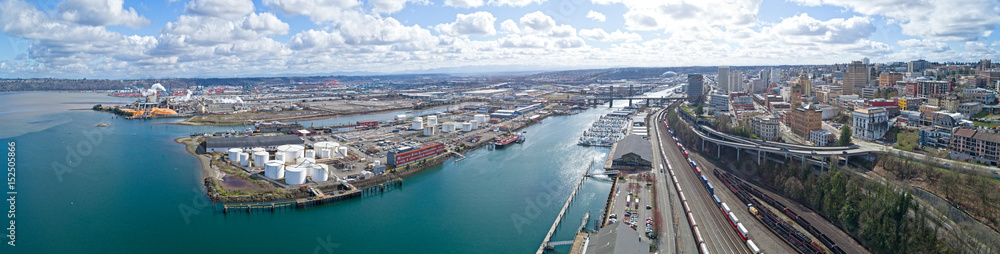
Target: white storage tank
pixel 280 156
pixel 432 120
pixel 418 124
pixel 258 149
pixel 448 127
pixel 274 169
pixel 429 130
pixel 342 151
pixel 293 153
pixel 320 173
pixel 296 174
pixel 311 154
pixel 325 149
pixel 259 158
pixel 234 154
pixel 244 159
pixel 475 124
pixel 467 126
pixel 480 118
pixel 325 153
pixel 305 161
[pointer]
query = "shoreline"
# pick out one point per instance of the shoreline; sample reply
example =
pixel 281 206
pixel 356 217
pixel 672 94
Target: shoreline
pixel 210 174
pixel 307 118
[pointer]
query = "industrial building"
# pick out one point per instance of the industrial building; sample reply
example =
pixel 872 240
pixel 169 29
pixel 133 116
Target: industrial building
pixel 406 155
pixel 617 238
pixel 632 153
pixel 246 143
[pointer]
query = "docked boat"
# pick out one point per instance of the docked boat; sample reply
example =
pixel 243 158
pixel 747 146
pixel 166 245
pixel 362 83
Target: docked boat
pixel 507 140
pixel 608 129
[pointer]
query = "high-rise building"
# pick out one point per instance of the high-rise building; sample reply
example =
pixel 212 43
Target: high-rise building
pixel 695 87
pixel 889 78
pixel 856 77
pixel 917 66
pixel 806 84
pixel 865 60
pixel 736 82
pixel 776 75
pixel 723 79
pixel 985 64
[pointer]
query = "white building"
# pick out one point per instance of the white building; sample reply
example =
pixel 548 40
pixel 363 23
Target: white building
pixel 821 137
pixel 870 123
pixel 723 79
pixel 719 102
pixel 765 127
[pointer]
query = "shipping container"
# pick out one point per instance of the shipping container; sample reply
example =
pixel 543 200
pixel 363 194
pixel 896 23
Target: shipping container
pixel 753 247
pixel 743 231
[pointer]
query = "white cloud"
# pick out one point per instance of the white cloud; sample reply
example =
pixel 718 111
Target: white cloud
pixel 517 41
pixel 480 23
pixel 925 45
pixel 946 20
pixel 227 9
pixel 390 6
pixel 596 16
pixel 804 29
pixel 537 22
pixel 598 34
pixel 464 3
pixel 509 27
pixel 100 13
pixel 316 10
pixel 515 3
pixel 698 16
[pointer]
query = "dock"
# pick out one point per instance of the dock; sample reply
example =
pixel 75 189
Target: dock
pixel 552 230
pixel 319 199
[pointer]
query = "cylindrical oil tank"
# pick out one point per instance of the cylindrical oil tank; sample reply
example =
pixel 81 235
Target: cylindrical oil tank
pixel 280 156
pixel 417 124
pixel 480 118
pixel 320 174
pixel 342 151
pixel 234 154
pixel 258 149
pixel 259 158
pixel 282 153
pixel 274 169
pixel 295 174
pixel 244 159
pixel 448 127
pixel 311 154
pixel 293 153
pixel 432 120
pixel 475 124
pixel 467 126
pixel 326 153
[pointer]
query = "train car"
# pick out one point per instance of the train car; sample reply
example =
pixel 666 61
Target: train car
pixel 704 180
pixel 743 231
pixel 697 235
pixel 753 247
pixel 716 198
pixel 685 154
pixel 697 170
pixel 704 248
pixel 725 208
pixel 733 220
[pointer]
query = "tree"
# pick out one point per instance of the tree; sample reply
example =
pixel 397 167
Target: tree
pixel 97 107
pixel 700 109
pixel 845 136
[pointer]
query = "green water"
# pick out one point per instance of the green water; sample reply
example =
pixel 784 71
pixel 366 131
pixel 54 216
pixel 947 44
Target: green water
pixel 133 190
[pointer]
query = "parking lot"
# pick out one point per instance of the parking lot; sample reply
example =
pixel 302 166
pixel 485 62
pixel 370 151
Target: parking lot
pixel 633 204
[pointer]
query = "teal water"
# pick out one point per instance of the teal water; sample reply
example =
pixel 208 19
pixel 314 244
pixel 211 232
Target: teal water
pixel 131 189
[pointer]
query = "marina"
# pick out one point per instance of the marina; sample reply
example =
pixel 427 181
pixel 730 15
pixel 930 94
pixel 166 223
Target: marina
pixel 608 129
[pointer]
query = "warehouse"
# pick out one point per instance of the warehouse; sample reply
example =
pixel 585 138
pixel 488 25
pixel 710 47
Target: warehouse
pixel 632 153
pixel 269 142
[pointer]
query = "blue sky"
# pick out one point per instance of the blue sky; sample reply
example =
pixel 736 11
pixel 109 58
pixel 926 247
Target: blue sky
pixel 242 38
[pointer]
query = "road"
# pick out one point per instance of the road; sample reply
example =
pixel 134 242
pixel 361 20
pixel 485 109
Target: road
pixel 714 228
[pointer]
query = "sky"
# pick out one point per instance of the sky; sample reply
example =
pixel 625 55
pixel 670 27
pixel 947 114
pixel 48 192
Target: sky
pixel 117 39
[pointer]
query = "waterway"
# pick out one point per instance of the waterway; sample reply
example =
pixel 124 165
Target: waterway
pixel 129 188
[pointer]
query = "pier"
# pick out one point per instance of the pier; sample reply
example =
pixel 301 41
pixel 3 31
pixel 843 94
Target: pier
pixel 552 230
pixel 319 199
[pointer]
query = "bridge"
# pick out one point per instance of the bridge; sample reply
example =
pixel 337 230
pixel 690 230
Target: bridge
pixel 763 149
